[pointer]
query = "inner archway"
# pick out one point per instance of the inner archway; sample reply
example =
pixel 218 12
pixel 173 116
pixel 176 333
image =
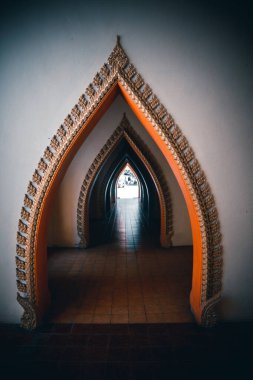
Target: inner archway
pixel 124 145
pixel 118 75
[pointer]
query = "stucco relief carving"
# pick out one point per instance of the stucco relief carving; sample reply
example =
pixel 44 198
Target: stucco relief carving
pixel 119 70
pixel 125 130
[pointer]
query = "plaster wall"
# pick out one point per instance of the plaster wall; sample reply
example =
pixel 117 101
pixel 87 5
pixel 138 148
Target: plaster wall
pixel 199 62
pixel 63 226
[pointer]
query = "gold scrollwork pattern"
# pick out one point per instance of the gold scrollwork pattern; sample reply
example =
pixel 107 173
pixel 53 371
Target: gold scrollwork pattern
pixel 118 69
pixel 125 130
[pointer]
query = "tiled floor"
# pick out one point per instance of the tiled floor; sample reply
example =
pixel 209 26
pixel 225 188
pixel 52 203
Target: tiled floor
pixel 130 279
pixel 127 279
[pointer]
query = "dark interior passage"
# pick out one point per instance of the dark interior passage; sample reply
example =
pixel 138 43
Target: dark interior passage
pixel 128 279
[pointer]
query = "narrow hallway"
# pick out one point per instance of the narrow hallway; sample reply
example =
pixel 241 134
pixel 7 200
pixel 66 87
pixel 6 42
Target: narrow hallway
pixel 129 279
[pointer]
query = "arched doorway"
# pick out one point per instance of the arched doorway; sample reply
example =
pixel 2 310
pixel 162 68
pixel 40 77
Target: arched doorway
pixel 118 75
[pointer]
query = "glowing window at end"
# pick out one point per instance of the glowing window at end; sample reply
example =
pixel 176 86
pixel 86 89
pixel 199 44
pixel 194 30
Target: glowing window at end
pixel 127 185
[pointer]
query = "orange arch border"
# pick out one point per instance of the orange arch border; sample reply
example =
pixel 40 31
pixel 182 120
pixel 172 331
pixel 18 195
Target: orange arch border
pixel 124 130
pixel 118 75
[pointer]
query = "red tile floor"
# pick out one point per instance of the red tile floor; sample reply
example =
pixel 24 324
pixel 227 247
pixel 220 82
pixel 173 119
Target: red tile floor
pixel 127 279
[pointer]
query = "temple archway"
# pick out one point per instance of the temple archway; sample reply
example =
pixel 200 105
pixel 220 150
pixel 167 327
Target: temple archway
pixel 118 75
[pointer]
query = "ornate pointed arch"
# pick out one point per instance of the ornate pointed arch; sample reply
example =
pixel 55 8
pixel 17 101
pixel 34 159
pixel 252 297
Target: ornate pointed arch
pixel 124 130
pixel 118 74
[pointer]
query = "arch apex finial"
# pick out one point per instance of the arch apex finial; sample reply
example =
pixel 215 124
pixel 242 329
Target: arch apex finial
pixel 118 40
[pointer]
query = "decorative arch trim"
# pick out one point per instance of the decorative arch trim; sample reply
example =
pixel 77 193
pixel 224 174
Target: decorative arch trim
pixel 118 74
pixel 124 130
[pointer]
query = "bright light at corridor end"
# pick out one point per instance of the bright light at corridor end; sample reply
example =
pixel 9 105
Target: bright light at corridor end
pixel 127 184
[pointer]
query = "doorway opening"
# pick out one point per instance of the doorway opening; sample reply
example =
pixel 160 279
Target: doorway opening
pixel 123 275
pixel 127 185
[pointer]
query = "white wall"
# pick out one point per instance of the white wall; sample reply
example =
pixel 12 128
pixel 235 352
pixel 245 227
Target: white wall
pixel 197 60
pixel 63 226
